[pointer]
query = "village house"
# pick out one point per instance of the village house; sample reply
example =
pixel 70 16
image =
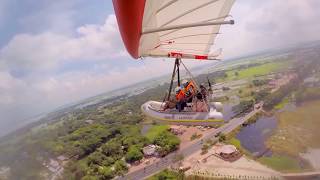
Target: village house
pixel 177 130
pixel 311 81
pixel 89 121
pixel 53 165
pixel 150 150
pixel 228 153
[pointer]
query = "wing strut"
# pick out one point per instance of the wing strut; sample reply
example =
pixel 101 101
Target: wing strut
pixel 182 26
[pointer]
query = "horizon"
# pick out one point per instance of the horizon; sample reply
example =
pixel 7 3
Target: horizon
pixel 39 117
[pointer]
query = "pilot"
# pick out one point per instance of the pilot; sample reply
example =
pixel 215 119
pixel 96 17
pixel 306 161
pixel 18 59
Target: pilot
pixel 180 98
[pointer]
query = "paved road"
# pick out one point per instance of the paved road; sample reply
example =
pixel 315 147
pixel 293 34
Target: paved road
pixel 167 161
pixel 303 175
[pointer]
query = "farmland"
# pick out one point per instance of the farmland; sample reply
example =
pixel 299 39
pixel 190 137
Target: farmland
pixel 297 130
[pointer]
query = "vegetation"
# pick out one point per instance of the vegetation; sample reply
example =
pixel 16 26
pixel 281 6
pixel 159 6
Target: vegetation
pixel 259 96
pixel 281 163
pixel 243 107
pixel 222 138
pixel 195 136
pixel 259 82
pixel 225 88
pixel 167 142
pixel 221 99
pixel 275 98
pixel 156 130
pixel 134 154
pixel 235 142
pixel 297 130
pixel 256 70
pixel 178 158
pixel 307 94
pixel 102 148
pixel 253 119
pixel 105 161
pixel 167 175
pixel 159 135
pixel 85 140
pixel 282 104
pixel 206 145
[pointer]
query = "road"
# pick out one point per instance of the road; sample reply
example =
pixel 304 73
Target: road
pixel 168 160
pixel 302 175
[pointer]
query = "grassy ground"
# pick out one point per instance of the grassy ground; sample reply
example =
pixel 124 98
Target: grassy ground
pixel 245 92
pixel 282 104
pixel 167 175
pixel 256 70
pixel 235 142
pixel 297 130
pixel 281 163
pixel 155 130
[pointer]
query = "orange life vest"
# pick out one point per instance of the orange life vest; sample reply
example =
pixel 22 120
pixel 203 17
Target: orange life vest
pixel 190 86
pixel 180 96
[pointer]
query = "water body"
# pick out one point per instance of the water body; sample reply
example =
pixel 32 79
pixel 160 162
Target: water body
pixel 253 136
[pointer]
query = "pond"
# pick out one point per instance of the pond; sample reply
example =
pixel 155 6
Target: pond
pixel 253 136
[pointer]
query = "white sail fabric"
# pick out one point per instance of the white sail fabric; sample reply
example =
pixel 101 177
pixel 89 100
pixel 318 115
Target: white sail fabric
pixel 192 40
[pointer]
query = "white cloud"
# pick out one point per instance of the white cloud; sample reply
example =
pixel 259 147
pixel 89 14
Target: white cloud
pixel 29 82
pixel 269 25
pixel 46 51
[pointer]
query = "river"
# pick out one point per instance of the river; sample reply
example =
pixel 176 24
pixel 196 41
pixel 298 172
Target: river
pixel 253 136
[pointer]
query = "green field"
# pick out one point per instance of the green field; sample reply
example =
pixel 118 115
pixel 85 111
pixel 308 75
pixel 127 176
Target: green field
pixel 281 163
pixel 297 130
pixel 154 131
pixel 235 142
pixel 282 104
pixel 257 70
pixel 167 175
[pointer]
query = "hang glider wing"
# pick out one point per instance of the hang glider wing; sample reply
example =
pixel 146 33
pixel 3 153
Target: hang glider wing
pixel 171 28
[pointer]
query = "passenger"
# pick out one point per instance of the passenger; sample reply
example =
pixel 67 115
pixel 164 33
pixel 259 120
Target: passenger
pixel 180 98
pixel 203 91
pixel 200 106
pixel 189 90
pixel 200 102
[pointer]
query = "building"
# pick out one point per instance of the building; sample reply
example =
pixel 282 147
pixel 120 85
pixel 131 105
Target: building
pixel 177 130
pixel 282 80
pixel 5 172
pixel 228 153
pixel 311 82
pixel 53 166
pixel 89 121
pixel 150 150
pixel 62 158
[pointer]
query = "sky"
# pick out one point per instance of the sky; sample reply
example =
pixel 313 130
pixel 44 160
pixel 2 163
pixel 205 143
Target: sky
pixel 58 52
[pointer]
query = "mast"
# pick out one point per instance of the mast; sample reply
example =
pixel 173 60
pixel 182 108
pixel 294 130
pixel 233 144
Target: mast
pixel 175 69
pixel 178 70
